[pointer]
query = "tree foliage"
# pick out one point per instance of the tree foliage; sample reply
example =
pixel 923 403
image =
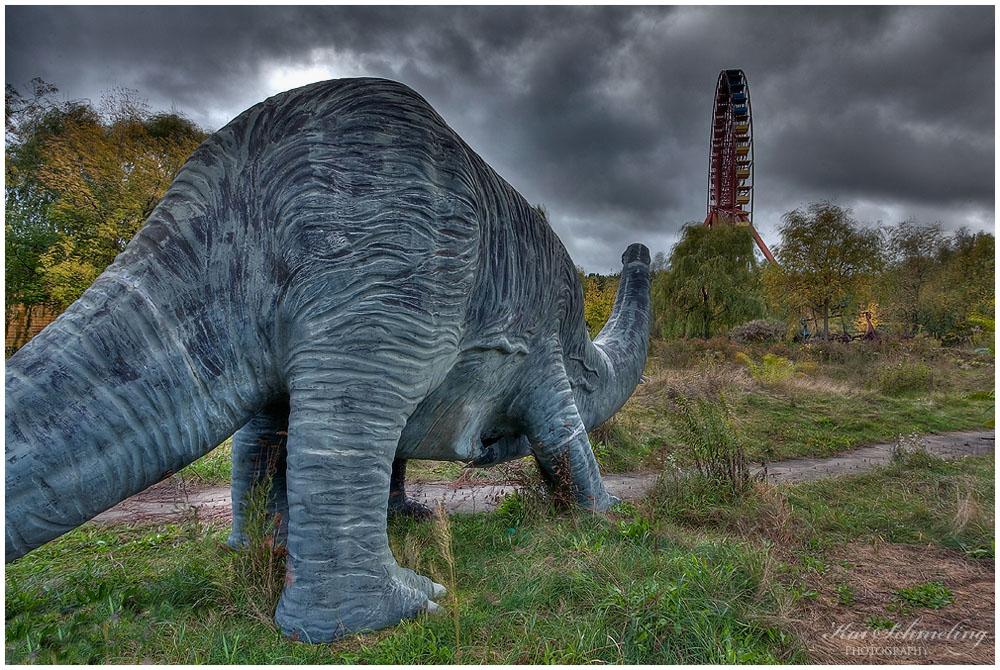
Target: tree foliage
pixel 710 284
pixel 961 286
pixel 81 181
pixel 825 261
pixel 599 292
pixel 911 255
pixel 30 122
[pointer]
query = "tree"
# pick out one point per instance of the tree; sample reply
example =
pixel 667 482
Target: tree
pixel 825 260
pixel 84 180
pixel 31 121
pixel 711 282
pixel 599 292
pixel 962 285
pixel 912 261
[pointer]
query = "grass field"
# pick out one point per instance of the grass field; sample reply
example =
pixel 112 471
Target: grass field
pixel 690 574
pixel 699 571
pixel 834 397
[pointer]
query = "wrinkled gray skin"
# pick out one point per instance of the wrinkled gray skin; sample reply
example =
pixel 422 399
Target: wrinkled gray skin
pixel 336 263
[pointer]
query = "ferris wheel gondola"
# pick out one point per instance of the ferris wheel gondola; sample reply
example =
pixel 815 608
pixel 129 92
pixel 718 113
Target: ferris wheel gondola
pixel 731 165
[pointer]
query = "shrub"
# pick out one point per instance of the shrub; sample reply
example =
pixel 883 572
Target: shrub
pixel 707 437
pixel 904 376
pixel 758 330
pixel 773 369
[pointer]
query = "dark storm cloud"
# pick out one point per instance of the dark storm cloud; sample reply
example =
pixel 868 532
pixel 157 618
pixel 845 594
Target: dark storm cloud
pixel 599 113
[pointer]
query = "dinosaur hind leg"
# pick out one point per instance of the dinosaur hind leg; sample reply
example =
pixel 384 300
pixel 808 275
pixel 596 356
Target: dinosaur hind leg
pixel 399 503
pixel 259 459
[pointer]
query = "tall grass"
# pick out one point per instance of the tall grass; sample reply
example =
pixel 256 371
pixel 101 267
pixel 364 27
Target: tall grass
pixel 705 430
pixel 442 535
pixel 253 576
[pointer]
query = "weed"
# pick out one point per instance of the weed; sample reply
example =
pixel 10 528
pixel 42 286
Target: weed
pixel 879 622
pixel 902 609
pixel 254 574
pixel 772 370
pixel 845 594
pixel 706 432
pixel 514 509
pixel 814 564
pixel 933 595
pixel 906 448
pixel 799 591
pixel 638 528
pixel 530 498
pixel 985 550
pixel 442 534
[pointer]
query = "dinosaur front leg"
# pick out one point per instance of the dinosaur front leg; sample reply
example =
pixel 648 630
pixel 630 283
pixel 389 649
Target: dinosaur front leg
pixel 259 454
pixel 340 574
pixel 559 438
pixel 399 503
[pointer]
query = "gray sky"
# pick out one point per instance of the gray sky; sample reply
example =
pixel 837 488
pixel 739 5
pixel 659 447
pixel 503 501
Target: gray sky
pixel 600 114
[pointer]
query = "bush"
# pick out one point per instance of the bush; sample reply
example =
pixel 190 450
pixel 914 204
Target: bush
pixel 904 376
pixel 773 369
pixel 758 330
pixel 705 431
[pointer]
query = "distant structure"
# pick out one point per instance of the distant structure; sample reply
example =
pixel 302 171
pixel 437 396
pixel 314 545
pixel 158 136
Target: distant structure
pixel 730 170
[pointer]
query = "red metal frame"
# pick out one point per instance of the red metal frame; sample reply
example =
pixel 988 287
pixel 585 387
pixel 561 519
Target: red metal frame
pixel 731 151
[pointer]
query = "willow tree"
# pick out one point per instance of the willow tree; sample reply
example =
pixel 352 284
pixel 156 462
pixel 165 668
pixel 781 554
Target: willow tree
pixel 711 282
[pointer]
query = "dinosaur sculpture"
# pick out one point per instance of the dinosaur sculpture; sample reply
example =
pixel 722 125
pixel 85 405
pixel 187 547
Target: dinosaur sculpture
pixel 337 270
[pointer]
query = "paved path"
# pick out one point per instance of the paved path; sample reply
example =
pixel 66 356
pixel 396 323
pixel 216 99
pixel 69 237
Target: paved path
pixel 171 500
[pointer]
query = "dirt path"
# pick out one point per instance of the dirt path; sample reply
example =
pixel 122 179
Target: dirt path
pixel 172 499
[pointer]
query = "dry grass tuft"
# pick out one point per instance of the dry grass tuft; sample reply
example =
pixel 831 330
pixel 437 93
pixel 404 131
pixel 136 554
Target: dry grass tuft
pixel 772 519
pixel 442 535
pixel 254 576
pixel 967 509
pixel 692 383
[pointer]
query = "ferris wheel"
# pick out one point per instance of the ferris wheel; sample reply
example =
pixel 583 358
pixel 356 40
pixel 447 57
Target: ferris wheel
pixel 731 169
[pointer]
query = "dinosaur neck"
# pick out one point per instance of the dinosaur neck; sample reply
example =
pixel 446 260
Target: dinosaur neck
pixel 618 353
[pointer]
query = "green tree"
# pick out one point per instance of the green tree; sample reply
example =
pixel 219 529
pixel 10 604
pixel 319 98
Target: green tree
pixel 81 181
pixel 912 262
pixel 31 121
pixel 711 282
pixel 825 260
pixel 599 292
pixel 962 285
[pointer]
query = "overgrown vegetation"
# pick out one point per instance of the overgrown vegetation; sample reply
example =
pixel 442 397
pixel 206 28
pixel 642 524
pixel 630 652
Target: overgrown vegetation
pixel 80 181
pixel 253 575
pixel 695 573
pixel 711 566
pixel 795 400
